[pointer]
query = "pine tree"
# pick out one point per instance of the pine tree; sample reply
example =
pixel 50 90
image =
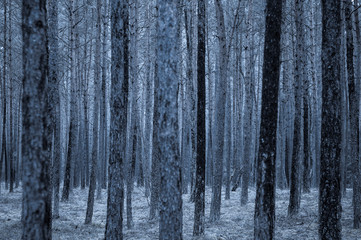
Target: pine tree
pixel 330 176
pixel 264 217
pixel 170 210
pixel 118 124
pixel 36 160
pixel 198 228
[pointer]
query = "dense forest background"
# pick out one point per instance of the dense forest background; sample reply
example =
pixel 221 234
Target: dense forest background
pixel 159 101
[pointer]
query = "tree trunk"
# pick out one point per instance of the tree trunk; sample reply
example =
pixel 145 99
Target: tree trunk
pixel 54 101
pixel 353 93
pixel 199 212
pixel 170 222
pixel 118 129
pixel 249 97
pixel 36 163
pixel 330 195
pixel 155 174
pixel 95 153
pixel 67 186
pixel 264 217
pixel 295 186
pixel 221 88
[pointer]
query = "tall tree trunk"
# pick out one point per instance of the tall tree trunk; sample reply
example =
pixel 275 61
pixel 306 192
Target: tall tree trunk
pixel 95 153
pixel 99 77
pixel 295 186
pixel 199 212
pixel 118 129
pixel 218 142
pixel 354 102
pixel 170 222
pixel 264 217
pixel 54 101
pixel 249 97
pixel 330 184
pixel 67 186
pixel 36 160
pixel 3 156
pixel 155 174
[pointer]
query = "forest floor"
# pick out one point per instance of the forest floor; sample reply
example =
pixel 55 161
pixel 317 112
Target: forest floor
pixel 236 220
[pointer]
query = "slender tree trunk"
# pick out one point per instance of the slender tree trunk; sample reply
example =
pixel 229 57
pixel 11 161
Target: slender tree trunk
pixel 264 217
pixel 118 130
pixel 295 186
pixel 54 100
pixel 3 152
pixel 95 153
pixel 199 212
pixel 330 195
pixel 221 88
pixel 67 186
pixel 353 115
pixel 249 97
pixel 155 174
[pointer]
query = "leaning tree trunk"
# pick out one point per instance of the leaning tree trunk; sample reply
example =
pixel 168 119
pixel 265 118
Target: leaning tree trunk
pixel 330 177
pixel 264 217
pixel 36 163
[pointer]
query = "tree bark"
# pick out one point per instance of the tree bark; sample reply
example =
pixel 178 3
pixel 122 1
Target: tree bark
pixel 295 185
pixel 54 101
pixel 118 129
pixel 330 184
pixel 36 176
pixel 219 117
pixel 264 217
pixel 353 94
pixel 170 211
pixel 199 212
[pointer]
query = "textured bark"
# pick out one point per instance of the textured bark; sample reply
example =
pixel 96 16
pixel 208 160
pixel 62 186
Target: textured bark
pixel 119 103
pixel 306 145
pixel 155 174
pixel 155 165
pixel 357 53
pixel 330 195
pixel 170 210
pixel 104 111
pixel 67 186
pixel 264 217
pixel 99 99
pixel 54 101
pixel 134 121
pixel 36 163
pixel 11 148
pixel 219 116
pixel 3 153
pixel 199 212
pixel 249 98
pixel 94 171
pixel 353 94
pixel 295 185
